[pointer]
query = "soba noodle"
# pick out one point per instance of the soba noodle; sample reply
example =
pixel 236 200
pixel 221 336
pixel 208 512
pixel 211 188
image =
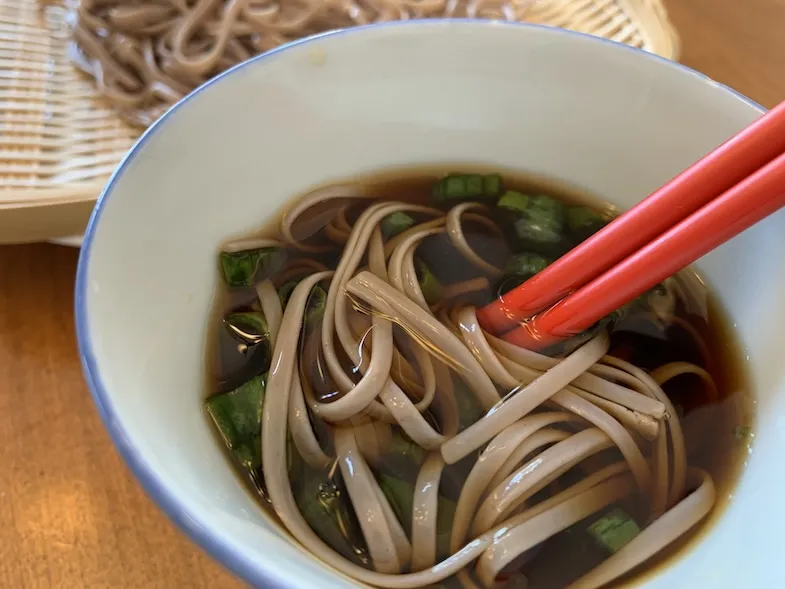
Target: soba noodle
pixel 146 54
pixel 391 352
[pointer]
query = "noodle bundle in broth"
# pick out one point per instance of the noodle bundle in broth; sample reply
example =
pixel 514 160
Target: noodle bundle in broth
pixel 402 444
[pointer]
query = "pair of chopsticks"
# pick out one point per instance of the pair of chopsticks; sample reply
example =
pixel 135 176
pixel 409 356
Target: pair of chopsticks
pixel 718 197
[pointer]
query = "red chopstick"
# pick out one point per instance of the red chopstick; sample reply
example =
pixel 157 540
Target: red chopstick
pixel 717 172
pixel 753 199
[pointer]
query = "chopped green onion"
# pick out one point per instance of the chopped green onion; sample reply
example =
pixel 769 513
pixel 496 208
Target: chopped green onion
pixel 514 201
pixel 238 417
pixel 245 350
pixel 285 291
pixel 250 327
pixel 519 268
pixel 639 304
pixel 492 185
pixel 243 268
pixel 467 186
pixel 614 530
pixel 526 265
pixel 743 433
pixel 469 408
pixel 403 458
pixel 431 287
pixel 463 186
pixel 584 221
pixel 537 221
pixel 317 301
pixel 402 446
pixel 444 519
pixel 400 495
pixel 396 223
pixel 324 505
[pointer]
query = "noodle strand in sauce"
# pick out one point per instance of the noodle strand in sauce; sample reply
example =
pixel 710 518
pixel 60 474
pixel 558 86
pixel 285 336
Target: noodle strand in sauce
pixel 402 444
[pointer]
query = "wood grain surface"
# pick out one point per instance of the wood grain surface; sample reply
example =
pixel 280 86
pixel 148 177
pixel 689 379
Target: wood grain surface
pixel 71 514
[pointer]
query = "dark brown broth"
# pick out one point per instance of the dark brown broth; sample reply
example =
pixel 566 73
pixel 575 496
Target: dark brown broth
pixel 720 453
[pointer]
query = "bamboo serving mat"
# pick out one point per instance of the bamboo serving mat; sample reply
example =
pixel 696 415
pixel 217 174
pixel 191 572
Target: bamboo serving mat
pixel 59 141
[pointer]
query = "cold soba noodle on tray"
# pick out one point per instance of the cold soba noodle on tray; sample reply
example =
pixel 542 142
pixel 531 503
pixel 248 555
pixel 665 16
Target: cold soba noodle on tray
pixel 406 447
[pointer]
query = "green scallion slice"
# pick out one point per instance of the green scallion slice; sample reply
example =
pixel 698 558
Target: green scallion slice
pixel 614 530
pixel 432 289
pixel 238 416
pixel 396 223
pixel 246 267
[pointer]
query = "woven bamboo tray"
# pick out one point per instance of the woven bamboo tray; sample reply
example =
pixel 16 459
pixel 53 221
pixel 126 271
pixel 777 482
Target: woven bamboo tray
pixel 59 141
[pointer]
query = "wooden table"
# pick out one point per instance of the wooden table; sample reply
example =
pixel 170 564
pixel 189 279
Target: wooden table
pixel 71 514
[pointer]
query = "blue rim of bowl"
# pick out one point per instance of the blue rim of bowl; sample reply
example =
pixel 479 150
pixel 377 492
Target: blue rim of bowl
pixel 255 573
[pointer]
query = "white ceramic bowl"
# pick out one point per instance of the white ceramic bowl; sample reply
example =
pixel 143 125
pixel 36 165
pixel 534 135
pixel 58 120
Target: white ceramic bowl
pixel 614 120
